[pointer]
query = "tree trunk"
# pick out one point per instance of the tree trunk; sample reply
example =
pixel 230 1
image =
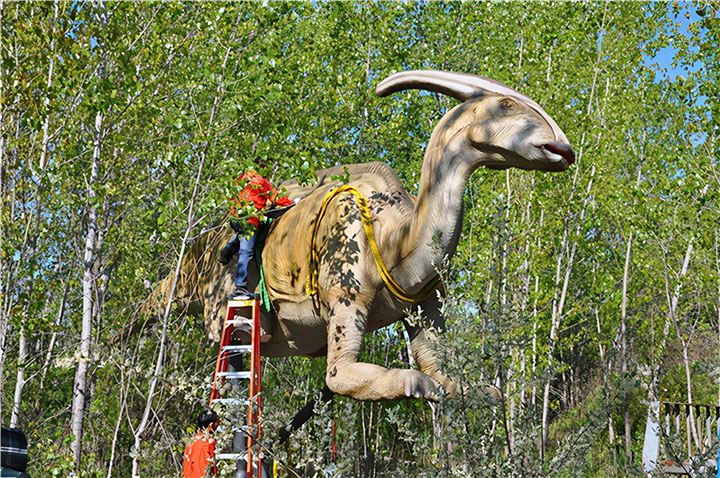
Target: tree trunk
pixel 688 380
pixel 89 257
pixel 606 367
pixel 672 301
pixel 535 316
pixel 80 388
pixel 717 305
pixel 20 379
pixel 624 352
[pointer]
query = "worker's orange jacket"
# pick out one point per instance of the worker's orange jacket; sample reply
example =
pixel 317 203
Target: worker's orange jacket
pixel 199 455
pixel 257 192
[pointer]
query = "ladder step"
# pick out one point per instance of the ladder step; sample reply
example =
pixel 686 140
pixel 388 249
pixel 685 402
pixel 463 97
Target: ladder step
pixel 235 374
pixel 240 303
pixel 243 321
pixel 245 349
pixel 232 401
pixel 230 456
pixel 241 428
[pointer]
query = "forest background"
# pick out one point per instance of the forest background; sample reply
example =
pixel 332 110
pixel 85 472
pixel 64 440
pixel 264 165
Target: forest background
pixel 583 296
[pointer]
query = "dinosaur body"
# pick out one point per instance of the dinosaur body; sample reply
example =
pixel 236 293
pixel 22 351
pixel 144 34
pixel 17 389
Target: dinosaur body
pixel 495 127
pixel 347 266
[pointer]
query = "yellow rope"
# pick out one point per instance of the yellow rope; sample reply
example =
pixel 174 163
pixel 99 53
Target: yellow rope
pixel 314 260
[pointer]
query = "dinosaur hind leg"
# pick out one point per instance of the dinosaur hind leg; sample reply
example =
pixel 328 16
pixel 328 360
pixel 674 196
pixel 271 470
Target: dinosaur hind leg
pixel 364 381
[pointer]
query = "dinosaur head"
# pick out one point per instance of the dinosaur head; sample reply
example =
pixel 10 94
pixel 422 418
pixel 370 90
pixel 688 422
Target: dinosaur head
pixel 496 125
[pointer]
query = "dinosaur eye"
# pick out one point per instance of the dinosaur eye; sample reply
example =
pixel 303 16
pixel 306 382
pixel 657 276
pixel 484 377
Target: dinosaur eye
pixel 508 103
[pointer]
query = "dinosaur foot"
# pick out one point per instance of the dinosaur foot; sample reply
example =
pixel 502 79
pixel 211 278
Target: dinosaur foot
pixel 419 385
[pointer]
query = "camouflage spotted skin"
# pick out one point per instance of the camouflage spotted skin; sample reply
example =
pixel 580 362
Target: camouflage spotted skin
pixel 494 126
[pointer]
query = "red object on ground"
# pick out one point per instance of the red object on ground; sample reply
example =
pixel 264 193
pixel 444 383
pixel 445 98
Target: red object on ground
pixel 199 453
pixel 257 191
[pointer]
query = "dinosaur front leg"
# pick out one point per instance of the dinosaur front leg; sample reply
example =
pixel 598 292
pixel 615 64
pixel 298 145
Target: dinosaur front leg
pixel 364 381
pixel 423 339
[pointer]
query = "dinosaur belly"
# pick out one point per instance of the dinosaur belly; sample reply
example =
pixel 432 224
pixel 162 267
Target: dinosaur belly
pixel 299 331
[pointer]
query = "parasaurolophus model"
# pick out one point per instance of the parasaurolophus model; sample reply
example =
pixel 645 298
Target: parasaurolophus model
pixel 494 126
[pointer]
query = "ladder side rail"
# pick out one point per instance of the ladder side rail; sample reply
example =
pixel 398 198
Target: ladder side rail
pixel 221 364
pixel 254 411
pixel 256 348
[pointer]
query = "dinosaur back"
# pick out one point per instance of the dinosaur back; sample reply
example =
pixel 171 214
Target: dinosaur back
pixel 286 253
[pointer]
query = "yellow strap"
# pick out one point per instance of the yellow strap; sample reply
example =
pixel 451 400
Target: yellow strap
pixel 314 260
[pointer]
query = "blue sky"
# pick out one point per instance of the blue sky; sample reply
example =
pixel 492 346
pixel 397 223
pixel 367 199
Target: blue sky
pixel 662 63
pixel 666 55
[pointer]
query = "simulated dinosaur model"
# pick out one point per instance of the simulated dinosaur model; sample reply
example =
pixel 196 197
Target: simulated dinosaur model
pixel 494 126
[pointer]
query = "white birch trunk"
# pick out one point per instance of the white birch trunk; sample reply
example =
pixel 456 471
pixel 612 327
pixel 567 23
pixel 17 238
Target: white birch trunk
pixel 80 387
pixel 533 401
pixel 671 320
pixel 688 380
pixel 51 67
pixel 717 305
pixel 89 256
pixel 20 378
pixel 508 405
pixel 623 349
pixel 535 316
pixel 525 291
pixel 654 392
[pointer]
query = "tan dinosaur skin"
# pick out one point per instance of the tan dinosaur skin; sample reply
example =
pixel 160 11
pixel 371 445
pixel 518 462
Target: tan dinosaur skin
pixel 494 127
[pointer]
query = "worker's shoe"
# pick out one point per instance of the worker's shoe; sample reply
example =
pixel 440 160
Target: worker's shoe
pixel 227 252
pixel 241 293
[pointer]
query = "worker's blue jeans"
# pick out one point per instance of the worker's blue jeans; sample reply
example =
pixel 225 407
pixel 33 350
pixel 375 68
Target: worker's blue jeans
pixel 245 254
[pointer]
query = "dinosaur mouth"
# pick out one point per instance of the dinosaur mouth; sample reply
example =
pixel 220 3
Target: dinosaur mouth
pixel 555 151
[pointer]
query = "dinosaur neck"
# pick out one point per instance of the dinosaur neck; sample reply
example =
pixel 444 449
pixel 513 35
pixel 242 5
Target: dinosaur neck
pixel 432 232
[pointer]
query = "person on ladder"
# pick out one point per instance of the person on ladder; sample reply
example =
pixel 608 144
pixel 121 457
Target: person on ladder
pixel 200 450
pixel 256 195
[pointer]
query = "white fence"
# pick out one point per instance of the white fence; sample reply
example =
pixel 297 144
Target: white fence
pixel 681 438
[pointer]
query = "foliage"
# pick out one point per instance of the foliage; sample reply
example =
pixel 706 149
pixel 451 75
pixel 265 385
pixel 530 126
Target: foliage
pixel 535 289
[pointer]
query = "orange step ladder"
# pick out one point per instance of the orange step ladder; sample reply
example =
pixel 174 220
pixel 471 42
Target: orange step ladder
pixel 243 315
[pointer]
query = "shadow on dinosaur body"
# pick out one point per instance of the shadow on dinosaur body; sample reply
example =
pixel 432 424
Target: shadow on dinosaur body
pixel 495 127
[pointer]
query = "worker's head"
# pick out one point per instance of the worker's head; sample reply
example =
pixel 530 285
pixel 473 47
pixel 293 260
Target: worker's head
pixel 207 419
